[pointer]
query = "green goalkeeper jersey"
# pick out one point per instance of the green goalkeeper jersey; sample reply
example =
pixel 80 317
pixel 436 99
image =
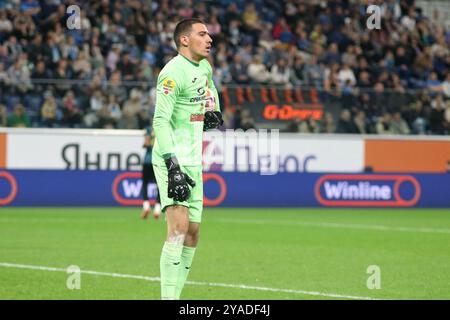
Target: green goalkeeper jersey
pixel 185 90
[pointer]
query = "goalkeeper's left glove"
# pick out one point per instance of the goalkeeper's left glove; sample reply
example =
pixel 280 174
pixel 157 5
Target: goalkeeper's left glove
pixel 212 120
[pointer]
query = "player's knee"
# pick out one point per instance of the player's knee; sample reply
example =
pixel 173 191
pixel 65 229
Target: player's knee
pixel 177 237
pixel 193 235
pixel 191 239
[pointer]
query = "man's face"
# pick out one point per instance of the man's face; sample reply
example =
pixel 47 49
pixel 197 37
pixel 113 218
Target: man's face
pixel 198 41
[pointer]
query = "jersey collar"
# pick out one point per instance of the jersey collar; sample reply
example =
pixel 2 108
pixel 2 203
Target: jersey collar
pixel 190 61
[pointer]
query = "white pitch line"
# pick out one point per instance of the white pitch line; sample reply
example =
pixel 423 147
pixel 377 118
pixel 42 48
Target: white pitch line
pixel 198 283
pixel 336 225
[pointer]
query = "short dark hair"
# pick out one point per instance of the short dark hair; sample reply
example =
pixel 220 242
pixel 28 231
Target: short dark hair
pixel 183 27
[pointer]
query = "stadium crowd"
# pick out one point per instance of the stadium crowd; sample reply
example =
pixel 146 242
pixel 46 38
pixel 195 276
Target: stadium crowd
pixel 102 75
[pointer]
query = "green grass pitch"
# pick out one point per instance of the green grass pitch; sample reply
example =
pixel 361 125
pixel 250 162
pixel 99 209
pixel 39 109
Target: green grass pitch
pixel 242 254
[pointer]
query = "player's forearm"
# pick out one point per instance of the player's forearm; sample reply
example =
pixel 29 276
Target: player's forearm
pixel 216 96
pixel 212 87
pixel 163 134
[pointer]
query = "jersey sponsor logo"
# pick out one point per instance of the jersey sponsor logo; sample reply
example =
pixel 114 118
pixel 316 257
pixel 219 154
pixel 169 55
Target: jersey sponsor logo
pixel 197 117
pixel 168 85
pixel 201 91
pixel 335 190
pixel 197 99
pixel 204 94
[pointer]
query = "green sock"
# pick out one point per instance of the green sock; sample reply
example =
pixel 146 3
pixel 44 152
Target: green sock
pixel 187 256
pixel 170 268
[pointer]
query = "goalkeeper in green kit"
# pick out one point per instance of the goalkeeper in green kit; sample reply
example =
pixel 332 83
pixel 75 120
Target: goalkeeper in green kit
pixel 186 105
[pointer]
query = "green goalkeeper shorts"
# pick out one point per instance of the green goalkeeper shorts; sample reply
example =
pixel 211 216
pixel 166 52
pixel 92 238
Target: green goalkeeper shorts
pixel 195 201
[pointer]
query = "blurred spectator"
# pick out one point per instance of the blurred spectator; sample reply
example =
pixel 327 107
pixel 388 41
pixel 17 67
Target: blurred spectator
pixel 131 109
pixel 438 102
pixel 19 76
pixel 228 119
pixel 313 73
pixel 447 117
pixel 19 118
pixel 317 37
pixel 251 22
pixel 417 118
pixel 5 81
pixel 246 54
pixel 214 26
pixel 297 71
pixel 257 71
pixel 333 55
pixel 134 105
pixel 282 31
pixel 437 119
pixel 113 57
pixel 63 72
pixel 327 124
pixel 309 125
pixel 238 70
pixel 244 120
pixel 222 75
pixel 383 125
pixel 398 125
pixel 280 73
pixel 331 82
pixel 69 49
pixel 349 57
pixel 3 116
pixel 360 122
pixel 143 117
pixel 82 64
pixel 346 74
pixel 40 71
pixel 116 88
pixel 24 27
pixel 423 63
pixel 445 86
pixel 97 60
pixel 6 25
pixel 409 21
pixel 114 108
pixel 72 115
pixel 345 124
pixel 30 7
pixel 105 120
pixel 49 110
pixel 294 125
pixel 126 66
pixel 51 51
pixel 433 83
pixel 96 101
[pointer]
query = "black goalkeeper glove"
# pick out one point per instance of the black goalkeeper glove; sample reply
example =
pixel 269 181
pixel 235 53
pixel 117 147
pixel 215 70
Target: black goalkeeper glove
pixel 212 120
pixel 178 184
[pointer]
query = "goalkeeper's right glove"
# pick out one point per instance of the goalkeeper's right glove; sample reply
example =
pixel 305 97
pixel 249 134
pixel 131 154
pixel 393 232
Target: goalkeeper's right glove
pixel 178 182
